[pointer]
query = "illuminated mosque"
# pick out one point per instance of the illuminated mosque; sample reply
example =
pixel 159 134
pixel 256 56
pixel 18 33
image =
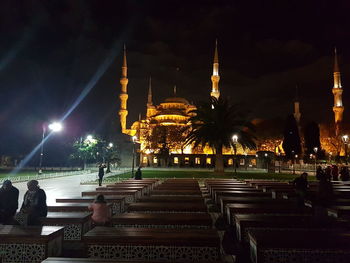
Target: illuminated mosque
pixel 173 115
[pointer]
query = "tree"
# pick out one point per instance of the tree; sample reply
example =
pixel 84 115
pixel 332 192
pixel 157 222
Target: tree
pixel 164 139
pixel 312 138
pixel 291 141
pixel 84 150
pixel 111 155
pixel 94 149
pixel 215 123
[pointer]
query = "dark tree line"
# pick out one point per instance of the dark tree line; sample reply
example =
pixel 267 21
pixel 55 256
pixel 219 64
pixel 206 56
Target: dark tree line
pixel 292 142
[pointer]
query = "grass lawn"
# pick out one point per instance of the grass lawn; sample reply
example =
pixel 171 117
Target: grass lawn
pixel 23 174
pixel 6 173
pixel 207 174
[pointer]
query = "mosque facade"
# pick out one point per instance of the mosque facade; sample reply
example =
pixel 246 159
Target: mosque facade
pixel 161 134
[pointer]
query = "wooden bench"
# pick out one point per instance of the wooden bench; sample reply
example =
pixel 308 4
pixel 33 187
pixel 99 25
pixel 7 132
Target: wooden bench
pixel 339 211
pixel 177 187
pixel 152 244
pixel 176 192
pixel 338 194
pixel 166 220
pixel 219 194
pixel 220 186
pixel 335 202
pixel 224 200
pixel 130 195
pixel 87 260
pixel 81 260
pixel 298 245
pixel 118 202
pixel 244 222
pixel 232 209
pixel 226 189
pixel 142 189
pixel 147 186
pixel 76 224
pixel 171 199
pixel 30 244
pixel 157 207
pixel 72 207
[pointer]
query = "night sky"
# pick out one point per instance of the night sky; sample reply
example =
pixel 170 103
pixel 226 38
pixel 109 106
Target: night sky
pixel 50 51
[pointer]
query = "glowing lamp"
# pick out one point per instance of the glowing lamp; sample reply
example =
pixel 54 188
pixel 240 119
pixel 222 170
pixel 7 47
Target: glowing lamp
pixel 56 126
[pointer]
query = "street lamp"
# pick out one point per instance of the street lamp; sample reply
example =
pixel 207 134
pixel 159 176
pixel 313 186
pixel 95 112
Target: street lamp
pixel 54 127
pixel 134 138
pixel 279 160
pixel 234 140
pixel 267 163
pixel 315 150
pixel 293 157
pixel 108 150
pixel 345 139
pixel 245 161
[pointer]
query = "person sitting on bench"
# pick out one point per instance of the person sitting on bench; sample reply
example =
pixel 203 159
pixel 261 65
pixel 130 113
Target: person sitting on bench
pixel 8 203
pixel 138 174
pixel 34 203
pixel 101 215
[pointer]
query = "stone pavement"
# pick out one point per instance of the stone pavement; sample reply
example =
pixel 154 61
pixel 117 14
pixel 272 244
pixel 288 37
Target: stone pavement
pixel 57 187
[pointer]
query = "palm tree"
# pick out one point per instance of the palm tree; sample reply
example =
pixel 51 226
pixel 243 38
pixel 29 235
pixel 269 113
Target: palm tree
pixel 214 124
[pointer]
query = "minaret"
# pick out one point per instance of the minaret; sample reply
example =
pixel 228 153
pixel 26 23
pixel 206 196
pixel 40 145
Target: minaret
pixel 215 78
pixel 123 112
pixel 150 107
pixel 337 91
pixel 149 99
pixel 297 113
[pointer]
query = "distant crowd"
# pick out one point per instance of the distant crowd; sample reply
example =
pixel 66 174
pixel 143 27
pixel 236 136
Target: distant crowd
pixel 332 172
pixel 324 194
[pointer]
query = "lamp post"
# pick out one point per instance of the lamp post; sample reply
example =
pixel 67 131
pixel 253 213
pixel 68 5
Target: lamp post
pixel 245 161
pixel 345 139
pixel 108 150
pixel 279 161
pixel 267 162
pixel 315 150
pixel 133 155
pixel 54 127
pixel 293 162
pixel 234 140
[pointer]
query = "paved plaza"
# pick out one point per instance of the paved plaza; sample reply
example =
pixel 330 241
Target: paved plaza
pixel 58 187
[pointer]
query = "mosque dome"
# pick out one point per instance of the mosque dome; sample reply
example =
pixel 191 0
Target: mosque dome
pixel 176 100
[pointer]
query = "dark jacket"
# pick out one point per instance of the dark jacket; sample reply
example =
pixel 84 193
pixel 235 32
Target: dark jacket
pixel 300 184
pixel 9 201
pixel 138 175
pixel 37 204
pixel 101 172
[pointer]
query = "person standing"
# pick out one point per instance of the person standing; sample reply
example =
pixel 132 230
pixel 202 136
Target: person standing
pixel 301 187
pixel 101 173
pixel 8 203
pixel 319 173
pixel 34 203
pixel 344 173
pixel 325 194
pixel 334 172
